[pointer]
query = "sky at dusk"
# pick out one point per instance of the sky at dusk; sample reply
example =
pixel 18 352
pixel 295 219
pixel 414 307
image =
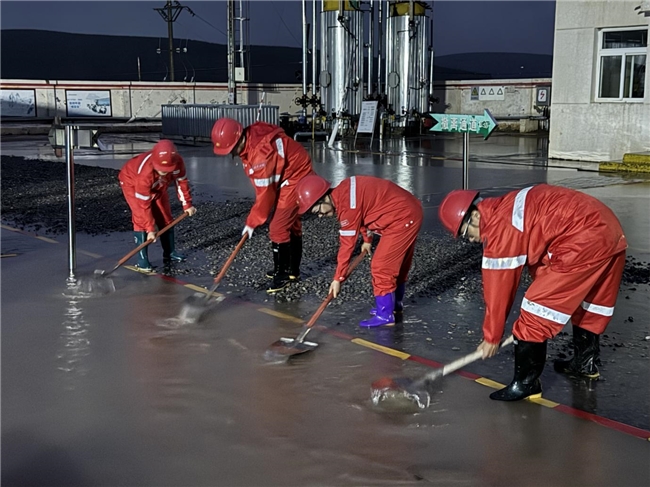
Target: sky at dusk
pixel 459 26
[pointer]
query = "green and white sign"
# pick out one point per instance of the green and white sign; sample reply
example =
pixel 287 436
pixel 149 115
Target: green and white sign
pixel 471 124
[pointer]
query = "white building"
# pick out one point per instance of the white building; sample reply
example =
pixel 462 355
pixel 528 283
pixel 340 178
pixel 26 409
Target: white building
pixel 600 102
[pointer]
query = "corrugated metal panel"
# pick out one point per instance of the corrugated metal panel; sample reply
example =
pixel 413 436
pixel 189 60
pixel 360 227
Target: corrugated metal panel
pixel 184 120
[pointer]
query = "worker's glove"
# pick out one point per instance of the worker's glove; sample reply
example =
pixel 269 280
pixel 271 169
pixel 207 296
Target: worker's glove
pixel 248 230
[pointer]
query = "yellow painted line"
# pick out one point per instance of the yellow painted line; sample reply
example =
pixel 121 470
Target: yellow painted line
pixel 11 229
pixel 543 402
pixel 135 269
pixel 380 348
pixel 489 383
pixel 45 239
pixel 9 255
pixel 280 315
pixel 90 254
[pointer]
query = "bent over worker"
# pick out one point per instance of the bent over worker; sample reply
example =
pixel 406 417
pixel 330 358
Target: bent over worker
pixel 144 181
pixel 574 248
pixel 274 163
pixel 364 204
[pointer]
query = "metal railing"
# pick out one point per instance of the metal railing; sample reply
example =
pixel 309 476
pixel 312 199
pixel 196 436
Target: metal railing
pixel 196 121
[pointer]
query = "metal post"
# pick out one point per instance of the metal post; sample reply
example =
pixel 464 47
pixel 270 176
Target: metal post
pixel 371 41
pixel 170 31
pixel 466 160
pixel 314 49
pixel 232 93
pixel 304 54
pixel 380 39
pixel 69 158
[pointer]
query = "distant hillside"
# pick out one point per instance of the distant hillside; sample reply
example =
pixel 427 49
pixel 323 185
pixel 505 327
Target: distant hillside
pixel 40 54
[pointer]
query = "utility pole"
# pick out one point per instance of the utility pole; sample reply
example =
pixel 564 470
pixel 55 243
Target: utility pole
pixel 170 13
pixel 232 91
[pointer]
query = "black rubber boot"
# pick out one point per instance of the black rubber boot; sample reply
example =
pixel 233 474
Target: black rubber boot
pixel 296 257
pixel 529 364
pixel 167 242
pixel 276 261
pixel 143 256
pixel 281 278
pixel 586 355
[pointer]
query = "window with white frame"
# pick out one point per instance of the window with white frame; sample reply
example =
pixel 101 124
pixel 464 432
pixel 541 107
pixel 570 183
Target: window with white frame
pixel 622 63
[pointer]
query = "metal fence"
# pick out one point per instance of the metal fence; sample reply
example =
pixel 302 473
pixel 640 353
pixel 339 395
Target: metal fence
pixel 196 121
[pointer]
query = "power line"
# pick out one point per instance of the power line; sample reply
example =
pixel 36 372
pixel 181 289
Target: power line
pixel 285 25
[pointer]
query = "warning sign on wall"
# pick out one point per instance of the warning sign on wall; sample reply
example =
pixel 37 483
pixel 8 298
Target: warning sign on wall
pixel 488 93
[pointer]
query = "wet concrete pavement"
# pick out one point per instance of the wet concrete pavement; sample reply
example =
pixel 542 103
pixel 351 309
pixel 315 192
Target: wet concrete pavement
pixel 107 390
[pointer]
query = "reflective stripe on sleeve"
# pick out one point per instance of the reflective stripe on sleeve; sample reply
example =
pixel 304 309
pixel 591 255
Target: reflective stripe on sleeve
pixel 504 262
pixel 181 179
pixel 181 196
pixel 544 312
pixel 348 233
pixel 519 208
pixel 353 193
pixel 142 163
pixel 143 196
pixel 280 146
pixel 596 309
pixel 262 183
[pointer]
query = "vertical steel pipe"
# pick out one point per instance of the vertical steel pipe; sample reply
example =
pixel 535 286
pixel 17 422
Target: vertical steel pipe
pixel 69 159
pixel 466 160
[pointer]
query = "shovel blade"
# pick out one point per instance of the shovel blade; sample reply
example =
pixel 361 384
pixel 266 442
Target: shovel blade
pixel 196 307
pixel 96 285
pixel 399 395
pixel 285 348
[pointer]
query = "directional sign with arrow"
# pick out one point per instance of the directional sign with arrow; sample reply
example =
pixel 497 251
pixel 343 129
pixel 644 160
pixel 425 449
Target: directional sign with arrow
pixel 476 124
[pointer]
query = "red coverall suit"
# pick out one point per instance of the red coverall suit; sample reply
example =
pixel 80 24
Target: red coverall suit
pixel 574 247
pixel 366 203
pixel 146 192
pixel 274 163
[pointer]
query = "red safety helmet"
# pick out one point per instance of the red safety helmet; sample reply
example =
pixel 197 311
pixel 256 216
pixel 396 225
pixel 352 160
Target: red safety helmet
pixel 226 132
pixel 454 207
pixel 310 189
pixel 164 156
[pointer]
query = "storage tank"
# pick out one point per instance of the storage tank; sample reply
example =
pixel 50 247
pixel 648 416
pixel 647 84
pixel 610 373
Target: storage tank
pixel 407 58
pixel 341 76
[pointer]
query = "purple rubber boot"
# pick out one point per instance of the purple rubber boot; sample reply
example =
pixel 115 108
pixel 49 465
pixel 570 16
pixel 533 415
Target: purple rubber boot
pixel 399 300
pixel 384 315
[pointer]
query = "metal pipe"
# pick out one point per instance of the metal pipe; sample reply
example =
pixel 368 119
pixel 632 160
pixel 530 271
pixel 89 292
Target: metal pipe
pixel 304 53
pixel 380 39
pixel 371 54
pixel 241 35
pixel 466 160
pixel 314 49
pixel 69 159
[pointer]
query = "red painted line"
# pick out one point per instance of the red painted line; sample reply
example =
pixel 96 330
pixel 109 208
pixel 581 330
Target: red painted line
pixel 608 423
pixel 335 333
pixel 172 279
pixel 426 361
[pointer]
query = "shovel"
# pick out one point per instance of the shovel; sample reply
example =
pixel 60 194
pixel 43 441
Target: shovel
pixel 284 348
pixel 100 283
pixel 405 394
pixel 194 307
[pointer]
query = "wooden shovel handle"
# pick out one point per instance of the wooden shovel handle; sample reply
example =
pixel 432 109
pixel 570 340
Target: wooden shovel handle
pixel 146 242
pixel 329 297
pixel 230 260
pixel 468 359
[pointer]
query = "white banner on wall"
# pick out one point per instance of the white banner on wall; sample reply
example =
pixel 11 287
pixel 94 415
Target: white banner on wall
pixel 88 103
pixel 17 103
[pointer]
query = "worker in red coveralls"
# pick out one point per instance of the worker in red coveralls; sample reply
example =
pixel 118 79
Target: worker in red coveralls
pixel 144 181
pixel 365 204
pixel 574 248
pixel 274 163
